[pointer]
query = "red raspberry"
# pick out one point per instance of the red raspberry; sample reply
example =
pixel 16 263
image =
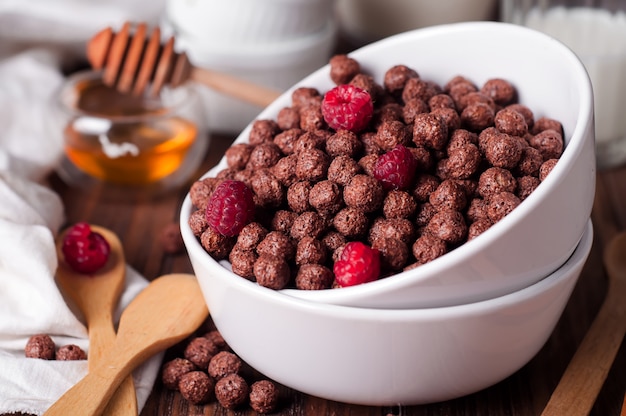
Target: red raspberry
pixel 347 107
pixel 396 168
pixel 230 207
pixel 84 250
pixel 359 263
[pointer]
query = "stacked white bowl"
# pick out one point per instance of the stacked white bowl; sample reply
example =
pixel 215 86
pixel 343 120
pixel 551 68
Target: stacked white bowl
pixel 274 43
pixel 469 318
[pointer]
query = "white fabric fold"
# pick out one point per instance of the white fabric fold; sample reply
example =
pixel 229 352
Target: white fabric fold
pixel 38 39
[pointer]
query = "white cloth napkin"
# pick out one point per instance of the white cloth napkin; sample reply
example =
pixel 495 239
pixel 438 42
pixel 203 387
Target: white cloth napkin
pixel 38 37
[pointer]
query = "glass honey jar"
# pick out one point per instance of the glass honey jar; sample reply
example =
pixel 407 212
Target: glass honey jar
pixel 148 143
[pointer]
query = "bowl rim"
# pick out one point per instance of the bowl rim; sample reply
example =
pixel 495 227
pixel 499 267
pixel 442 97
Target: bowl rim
pixel 574 147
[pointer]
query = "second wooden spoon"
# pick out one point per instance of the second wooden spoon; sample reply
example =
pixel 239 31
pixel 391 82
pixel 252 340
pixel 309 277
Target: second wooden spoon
pixel 169 309
pixel 96 296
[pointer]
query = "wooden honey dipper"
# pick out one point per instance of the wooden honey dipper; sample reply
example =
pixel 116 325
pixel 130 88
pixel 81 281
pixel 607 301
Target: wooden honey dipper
pixel 132 61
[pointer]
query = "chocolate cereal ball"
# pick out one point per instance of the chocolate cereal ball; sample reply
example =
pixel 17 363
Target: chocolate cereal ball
pixel 251 235
pixel 303 96
pixel 510 122
pixel 283 220
pixel 549 143
pixel 503 150
pixel 314 277
pixel 430 131
pixel 342 169
pixel 69 353
pixel 308 224
pixel 500 205
pixel 449 195
pixel 201 190
pixel 173 370
pixel 463 162
pixel 285 170
pixel 311 117
pixel 263 131
pixel 412 108
pixel 546 168
pixel 425 184
pixel 242 262
pixel 392 133
pixel 428 247
pixel 326 197
pixel 367 164
pixel 298 196
pixel 441 101
pixel 351 222
pixel 477 116
pixel 312 165
pixel 526 185
pixel 343 68
pixel 238 155
pixel 268 191
pixel 495 180
pixel 288 118
pixel 364 192
pixel 394 253
pixel 197 222
pixel 477 210
pixel 231 391
pixel 199 351
pixel 40 346
pixel 263 396
pixel 277 244
pixel 448 225
pixel 224 363
pixel 529 162
pixel 546 123
pixel 310 250
pixel 272 272
pixel 217 339
pixel 343 142
pixel 398 228
pixel 285 140
pixel 216 244
pixel 396 77
pixel 399 204
pixel 477 228
pixel 424 214
pixel 196 387
pixel 501 91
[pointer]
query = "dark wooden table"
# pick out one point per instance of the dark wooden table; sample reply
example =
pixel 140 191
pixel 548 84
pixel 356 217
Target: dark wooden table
pixel 139 224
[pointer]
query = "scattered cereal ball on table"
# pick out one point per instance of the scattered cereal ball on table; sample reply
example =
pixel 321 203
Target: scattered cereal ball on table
pixel 264 396
pixel 84 250
pixel 217 339
pixel 70 352
pixel 171 239
pixel 196 387
pixel 224 363
pixel 199 351
pixel 173 370
pixel 40 346
pixel 231 391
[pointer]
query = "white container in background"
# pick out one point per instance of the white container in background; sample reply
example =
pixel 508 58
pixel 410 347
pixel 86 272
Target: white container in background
pixel 273 43
pixel 598 36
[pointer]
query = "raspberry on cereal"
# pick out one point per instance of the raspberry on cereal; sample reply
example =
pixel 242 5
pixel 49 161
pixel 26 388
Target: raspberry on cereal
pixel 230 208
pixel 358 264
pixel 396 168
pixel 347 107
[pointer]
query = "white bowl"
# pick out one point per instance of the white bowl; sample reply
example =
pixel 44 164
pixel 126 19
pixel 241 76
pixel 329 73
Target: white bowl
pixel 382 357
pixel 237 23
pixel 540 234
pixel 277 65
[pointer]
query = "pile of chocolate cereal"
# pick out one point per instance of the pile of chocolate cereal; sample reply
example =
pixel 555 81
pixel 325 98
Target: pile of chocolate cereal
pixel 479 154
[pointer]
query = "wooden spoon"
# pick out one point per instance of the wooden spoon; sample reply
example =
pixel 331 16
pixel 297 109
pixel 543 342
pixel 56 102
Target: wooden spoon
pixel 169 309
pixel 584 376
pixel 132 61
pixel 96 297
